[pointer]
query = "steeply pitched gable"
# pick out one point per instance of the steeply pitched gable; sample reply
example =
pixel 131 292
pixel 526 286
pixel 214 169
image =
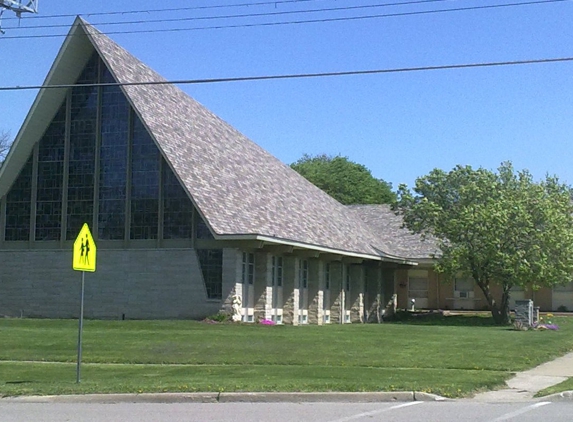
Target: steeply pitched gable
pixel 240 189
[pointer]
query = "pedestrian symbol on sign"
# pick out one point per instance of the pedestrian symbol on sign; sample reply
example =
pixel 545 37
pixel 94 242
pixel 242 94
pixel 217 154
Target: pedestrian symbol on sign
pixel 84 251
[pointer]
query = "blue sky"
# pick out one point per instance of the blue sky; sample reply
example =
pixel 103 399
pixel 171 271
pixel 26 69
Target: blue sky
pixel 399 125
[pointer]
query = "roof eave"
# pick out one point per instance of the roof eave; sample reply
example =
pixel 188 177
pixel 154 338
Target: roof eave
pixel 324 249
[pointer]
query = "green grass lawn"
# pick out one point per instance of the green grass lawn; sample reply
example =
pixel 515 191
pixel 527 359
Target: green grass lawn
pixel 566 385
pixel 451 356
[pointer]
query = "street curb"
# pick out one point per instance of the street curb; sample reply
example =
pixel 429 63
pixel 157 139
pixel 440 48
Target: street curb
pixel 397 396
pixel 563 396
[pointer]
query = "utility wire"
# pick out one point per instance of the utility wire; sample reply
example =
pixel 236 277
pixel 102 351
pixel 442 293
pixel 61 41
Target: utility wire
pixel 295 22
pixel 246 15
pixel 174 9
pixel 295 76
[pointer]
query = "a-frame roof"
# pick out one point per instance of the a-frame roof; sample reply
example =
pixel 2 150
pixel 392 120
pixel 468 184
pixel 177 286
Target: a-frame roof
pixel 241 190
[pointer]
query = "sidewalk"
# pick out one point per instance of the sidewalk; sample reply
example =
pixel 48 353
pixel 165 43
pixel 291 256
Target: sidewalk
pixel 524 385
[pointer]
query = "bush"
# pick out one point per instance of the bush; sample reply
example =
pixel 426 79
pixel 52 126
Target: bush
pixel 219 317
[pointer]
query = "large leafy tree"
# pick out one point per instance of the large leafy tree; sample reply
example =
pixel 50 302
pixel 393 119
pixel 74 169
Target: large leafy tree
pixel 501 228
pixel 344 180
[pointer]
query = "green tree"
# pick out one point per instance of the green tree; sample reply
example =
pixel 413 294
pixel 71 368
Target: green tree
pixel 344 180
pixel 500 228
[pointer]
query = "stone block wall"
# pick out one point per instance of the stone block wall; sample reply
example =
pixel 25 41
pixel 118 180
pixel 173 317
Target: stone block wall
pixel 132 284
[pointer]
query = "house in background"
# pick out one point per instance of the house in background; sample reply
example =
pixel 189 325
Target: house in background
pixel 187 213
pixel 428 288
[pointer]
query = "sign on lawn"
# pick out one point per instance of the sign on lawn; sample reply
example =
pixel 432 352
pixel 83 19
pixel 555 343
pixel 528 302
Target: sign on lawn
pixel 85 251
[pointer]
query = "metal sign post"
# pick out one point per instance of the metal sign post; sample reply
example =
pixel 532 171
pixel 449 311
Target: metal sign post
pixel 80 329
pixel 84 259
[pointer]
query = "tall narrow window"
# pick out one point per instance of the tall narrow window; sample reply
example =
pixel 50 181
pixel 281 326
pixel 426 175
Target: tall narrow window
pixel 303 274
pixel 277 271
pixel 113 160
pixel 83 130
pixel 144 184
pixel 248 268
pixel 203 231
pixel 177 207
pixel 18 205
pixel 50 178
pixel 327 276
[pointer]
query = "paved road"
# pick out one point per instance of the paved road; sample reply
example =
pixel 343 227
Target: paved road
pixel 465 411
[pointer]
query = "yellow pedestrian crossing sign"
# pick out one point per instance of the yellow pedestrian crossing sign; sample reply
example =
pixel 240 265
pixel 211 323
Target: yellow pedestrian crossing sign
pixel 85 251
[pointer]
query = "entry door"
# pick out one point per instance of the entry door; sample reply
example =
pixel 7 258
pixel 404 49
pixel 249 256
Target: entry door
pixel 418 286
pixel 326 295
pixel 248 287
pixel 277 284
pixel 303 292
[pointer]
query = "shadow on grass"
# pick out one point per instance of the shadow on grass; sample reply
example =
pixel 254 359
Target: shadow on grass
pixel 443 318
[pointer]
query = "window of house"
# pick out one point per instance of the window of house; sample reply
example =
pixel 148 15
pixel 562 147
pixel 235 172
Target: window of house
pixel 327 276
pixel 418 284
pixel 303 274
pixel 277 271
pixel 211 261
pixel 464 288
pixel 248 268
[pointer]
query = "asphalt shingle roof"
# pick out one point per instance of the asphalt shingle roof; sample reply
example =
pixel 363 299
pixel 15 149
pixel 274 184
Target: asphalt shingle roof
pixel 388 226
pixel 238 187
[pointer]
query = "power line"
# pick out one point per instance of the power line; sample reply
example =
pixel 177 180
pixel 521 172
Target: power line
pixel 174 9
pixel 297 75
pixel 295 22
pixel 247 15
